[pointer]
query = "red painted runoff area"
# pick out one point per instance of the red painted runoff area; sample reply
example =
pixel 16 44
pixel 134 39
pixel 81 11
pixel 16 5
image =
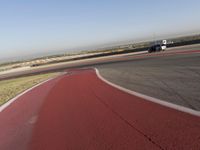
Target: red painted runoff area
pixel 78 111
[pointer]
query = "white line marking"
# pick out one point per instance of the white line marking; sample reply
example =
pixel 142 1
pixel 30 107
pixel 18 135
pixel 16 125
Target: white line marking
pixel 152 99
pixel 33 120
pixel 4 106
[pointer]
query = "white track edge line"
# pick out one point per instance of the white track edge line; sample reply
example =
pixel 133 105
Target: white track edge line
pixel 149 98
pixel 8 103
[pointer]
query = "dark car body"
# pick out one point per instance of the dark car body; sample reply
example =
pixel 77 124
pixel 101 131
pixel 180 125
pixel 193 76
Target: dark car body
pixel 155 48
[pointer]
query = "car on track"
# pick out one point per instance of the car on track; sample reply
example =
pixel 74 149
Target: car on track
pixel 154 48
pixel 158 47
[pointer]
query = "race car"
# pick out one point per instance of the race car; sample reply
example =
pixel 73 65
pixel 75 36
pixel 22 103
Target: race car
pixel 156 48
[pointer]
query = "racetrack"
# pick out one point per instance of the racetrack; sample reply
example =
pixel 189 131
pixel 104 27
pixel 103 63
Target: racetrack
pixel 174 78
pixel 78 110
pixel 90 62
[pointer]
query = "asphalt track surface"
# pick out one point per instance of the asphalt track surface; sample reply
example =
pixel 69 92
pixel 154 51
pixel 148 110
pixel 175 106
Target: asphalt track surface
pixel 89 62
pixel 78 110
pixel 173 77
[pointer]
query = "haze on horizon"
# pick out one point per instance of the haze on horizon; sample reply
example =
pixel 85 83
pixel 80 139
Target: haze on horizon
pixel 50 26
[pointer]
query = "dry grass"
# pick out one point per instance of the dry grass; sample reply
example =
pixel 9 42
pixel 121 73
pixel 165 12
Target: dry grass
pixel 12 87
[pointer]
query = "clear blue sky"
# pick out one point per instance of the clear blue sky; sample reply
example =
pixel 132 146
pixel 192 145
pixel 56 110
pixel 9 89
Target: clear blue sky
pixel 34 26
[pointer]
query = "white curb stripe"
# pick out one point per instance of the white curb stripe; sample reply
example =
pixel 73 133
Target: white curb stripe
pixel 148 98
pixel 4 106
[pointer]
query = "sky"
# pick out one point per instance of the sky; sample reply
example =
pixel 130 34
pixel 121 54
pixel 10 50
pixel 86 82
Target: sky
pixel 29 27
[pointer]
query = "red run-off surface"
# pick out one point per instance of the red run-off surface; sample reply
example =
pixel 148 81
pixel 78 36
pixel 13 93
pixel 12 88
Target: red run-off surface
pixel 78 111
